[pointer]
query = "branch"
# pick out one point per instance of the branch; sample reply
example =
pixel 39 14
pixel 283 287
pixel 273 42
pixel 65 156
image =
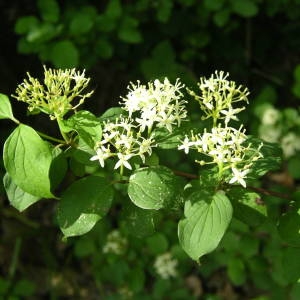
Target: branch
pixel 269 193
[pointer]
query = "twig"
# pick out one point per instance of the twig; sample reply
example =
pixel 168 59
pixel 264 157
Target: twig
pixel 269 193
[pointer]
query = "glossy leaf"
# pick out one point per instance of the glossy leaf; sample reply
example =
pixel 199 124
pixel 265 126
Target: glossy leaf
pixel 206 220
pixel 154 188
pixel 49 10
pixel 27 159
pixel 248 206
pixel 5 108
pixel 16 196
pixel 83 204
pixel 87 126
pixel 139 222
pixel 64 54
pixel 289 227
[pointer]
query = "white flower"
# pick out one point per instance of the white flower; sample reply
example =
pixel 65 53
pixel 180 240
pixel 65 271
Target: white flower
pixel 115 243
pixel 230 114
pixel 290 143
pixel 239 176
pixel 102 154
pixel 123 161
pixel 165 266
pixel 186 144
pixel 270 116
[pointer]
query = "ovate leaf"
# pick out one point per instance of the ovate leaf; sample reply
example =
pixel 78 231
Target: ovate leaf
pixel 16 196
pixel 248 206
pixel 139 222
pixel 83 204
pixel 5 108
pixel 87 126
pixel 271 159
pixel 154 188
pixel 289 227
pixel 206 220
pixel 64 54
pixel 245 8
pixel 291 264
pixel 27 159
pixel 49 10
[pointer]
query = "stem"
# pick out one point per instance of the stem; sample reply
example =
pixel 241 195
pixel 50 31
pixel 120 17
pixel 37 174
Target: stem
pixel 66 138
pixel 256 189
pixel 15 120
pixel 9 213
pixel 268 193
pixel 184 174
pixel 50 138
pixel 15 256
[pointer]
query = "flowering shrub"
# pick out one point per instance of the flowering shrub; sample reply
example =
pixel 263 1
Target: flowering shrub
pixel 118 155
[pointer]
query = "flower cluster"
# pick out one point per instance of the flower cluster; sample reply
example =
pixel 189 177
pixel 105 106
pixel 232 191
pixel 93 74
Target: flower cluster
pixel 157 105
pixel 115 243
pixel 165 265
pixel 217 94
pixel 55 94
pixel 120 139
pixel 224 145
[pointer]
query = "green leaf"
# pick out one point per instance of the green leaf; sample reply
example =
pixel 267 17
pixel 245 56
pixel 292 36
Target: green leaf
pixel 104 48
pixel 128 31
pixel 248 206
pixel 26 24
pixel 294 167
pixel 245 8
pixel 206 220
pixel 27 159
pixel 213 5
pixel 5 108
pixel 289 227
pixel 85 246
pixel 136 279
pixel 166 140
pixel 112 114
pixel 87 126
pixel 24 288
pixel 64 54
pixel 42 33
pixel 164 10
pixel 271 159
pixel 16 196
pixel 236 271
pixel 139 222
pixel 297 73
pixel 83 204
pixel 157 244
pixel 154 188
pixel 291 264
pixel 49 10
pixel 221 17
pixel 82 22
pixel 59 167
pixel 114 9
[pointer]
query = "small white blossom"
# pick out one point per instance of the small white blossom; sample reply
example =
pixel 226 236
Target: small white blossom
pixel 102 154
pixel 238 176
pixel 165 265
pixel 270 116
pixel 186 145
pixel 123 161
pixel 115 243
pixel 290 144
